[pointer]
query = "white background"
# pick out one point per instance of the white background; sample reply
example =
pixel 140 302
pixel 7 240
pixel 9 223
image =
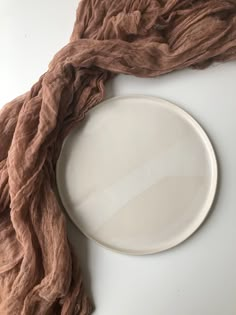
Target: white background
pixel 197 277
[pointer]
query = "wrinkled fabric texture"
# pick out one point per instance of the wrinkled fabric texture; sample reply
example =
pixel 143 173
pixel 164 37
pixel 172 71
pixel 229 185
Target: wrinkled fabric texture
pixel 146 38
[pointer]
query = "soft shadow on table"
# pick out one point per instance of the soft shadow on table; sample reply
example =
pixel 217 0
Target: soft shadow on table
pixel 80 248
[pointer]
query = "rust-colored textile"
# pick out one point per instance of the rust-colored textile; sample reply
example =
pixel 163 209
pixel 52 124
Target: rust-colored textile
pixel 38 273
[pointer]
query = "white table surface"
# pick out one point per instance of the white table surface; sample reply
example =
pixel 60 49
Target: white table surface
pixel 197 277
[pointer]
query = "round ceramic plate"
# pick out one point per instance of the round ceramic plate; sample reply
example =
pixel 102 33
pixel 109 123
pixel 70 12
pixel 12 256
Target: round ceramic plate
pixel 139 175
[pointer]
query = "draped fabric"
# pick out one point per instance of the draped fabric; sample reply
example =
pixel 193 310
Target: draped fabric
pixel 38 272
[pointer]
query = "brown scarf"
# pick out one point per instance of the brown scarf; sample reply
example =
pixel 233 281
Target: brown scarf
pixel 38 273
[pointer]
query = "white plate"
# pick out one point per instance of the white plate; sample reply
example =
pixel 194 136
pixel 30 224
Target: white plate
pixel 138 176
